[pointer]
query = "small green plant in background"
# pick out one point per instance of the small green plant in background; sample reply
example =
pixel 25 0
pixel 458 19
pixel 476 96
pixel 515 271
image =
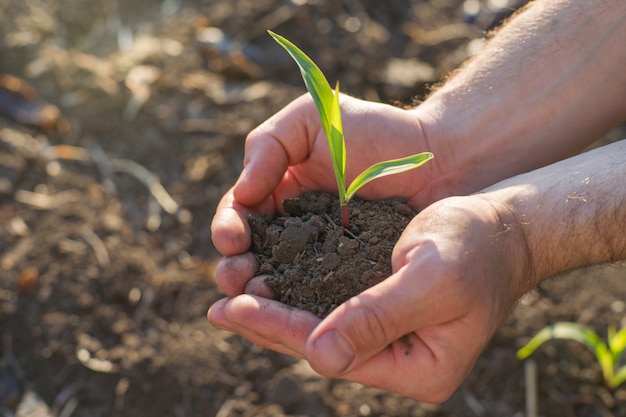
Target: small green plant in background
pixel 327 103
pixel 608 354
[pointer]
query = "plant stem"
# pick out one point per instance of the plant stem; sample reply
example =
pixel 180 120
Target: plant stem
pixel 345 220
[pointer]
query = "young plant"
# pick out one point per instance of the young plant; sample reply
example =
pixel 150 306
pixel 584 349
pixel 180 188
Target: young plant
pixel 607 354
pixel 327 103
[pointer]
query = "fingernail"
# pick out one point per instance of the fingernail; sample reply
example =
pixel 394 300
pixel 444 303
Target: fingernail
pixel 333 352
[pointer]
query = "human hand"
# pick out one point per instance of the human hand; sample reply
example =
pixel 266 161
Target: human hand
pixel 457 270
pixel 289 152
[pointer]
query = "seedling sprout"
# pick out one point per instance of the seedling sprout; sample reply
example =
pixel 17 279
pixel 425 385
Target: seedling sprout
pixel 327 103
pixel 607 354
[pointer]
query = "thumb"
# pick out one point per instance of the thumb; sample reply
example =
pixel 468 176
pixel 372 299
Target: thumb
pixel 279 142
pixel 369 322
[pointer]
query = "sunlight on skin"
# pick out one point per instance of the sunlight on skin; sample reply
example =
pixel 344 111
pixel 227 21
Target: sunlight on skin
pixel 283 329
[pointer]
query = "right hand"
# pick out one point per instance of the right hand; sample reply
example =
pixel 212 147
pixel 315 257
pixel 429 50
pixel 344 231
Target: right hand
pixel 289 152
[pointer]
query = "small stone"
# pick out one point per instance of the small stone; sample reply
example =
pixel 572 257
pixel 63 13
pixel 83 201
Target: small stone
pixel 292 242
pixel 403 210
pixel 331 261
pixel 266 269
pixel 347 246
pixel 272 234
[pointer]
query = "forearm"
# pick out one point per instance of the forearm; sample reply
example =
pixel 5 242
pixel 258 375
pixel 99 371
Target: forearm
pixel 571 214
pixel 545 86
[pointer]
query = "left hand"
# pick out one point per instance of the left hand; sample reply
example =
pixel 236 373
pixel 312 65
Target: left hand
pixel 457 270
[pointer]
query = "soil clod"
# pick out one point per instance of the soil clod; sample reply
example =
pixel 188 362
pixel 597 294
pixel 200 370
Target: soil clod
pixel 315 265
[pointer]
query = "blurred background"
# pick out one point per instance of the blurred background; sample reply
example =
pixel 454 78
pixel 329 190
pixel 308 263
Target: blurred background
pixel 121 125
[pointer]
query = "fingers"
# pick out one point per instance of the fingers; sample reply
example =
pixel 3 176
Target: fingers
pixel 216 316
pixel 256 286
pixel 421 367
pixel 265 322
pixel 422 348
pixel 233 273
pixel 282 141
pixel 356 331
pixel 417 350
pixel 230 231
pixel 366 324
pixel 427 367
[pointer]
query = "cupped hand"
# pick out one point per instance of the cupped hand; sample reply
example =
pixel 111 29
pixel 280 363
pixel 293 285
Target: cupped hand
pixel 457 270
pixel 289 152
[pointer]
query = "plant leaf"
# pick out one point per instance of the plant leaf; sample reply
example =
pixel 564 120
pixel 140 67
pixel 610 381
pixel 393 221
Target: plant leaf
pixel 337 145
pixel 619 378
pixel 617 343
pixel 572 331
pixel 327 103
pixel 381 169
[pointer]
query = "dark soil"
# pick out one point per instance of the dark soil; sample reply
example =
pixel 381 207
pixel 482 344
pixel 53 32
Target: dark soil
pixel 105 277
pixel 315 264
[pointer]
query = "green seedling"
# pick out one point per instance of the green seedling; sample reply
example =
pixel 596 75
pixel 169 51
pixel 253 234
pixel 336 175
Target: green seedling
pixel 607 354
pixel 327 103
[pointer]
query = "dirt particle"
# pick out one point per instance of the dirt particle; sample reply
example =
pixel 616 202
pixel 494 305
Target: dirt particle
pixel 347 246
pixel 291 243
pixel 331 261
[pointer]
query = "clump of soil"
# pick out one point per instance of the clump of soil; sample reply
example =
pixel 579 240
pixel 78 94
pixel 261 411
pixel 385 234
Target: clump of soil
pixel 313 263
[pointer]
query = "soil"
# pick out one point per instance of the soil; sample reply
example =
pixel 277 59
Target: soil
pixel 313 263
pixel 114 151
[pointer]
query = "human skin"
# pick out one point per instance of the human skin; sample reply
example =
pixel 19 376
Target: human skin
pixel 544 87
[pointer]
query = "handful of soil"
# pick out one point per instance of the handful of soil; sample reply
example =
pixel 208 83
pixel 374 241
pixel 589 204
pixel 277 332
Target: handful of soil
pixel 313 263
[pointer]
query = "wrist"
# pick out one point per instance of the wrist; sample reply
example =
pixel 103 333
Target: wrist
pixel 471 144
pixel 570 214
pixel 511 246
pixel 505 112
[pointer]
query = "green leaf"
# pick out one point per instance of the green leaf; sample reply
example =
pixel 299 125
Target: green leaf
pixel 617 342
pixel 327 103
pixel 619 378
pixel 381 169
pixel 314 79
pixel 337 146
pixel 572 331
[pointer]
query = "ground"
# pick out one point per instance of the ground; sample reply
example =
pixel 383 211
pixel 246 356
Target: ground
pixel 106 261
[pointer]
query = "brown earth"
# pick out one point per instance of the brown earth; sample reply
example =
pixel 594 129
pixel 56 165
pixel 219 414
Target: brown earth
pixel 106 261
pixel 313 263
